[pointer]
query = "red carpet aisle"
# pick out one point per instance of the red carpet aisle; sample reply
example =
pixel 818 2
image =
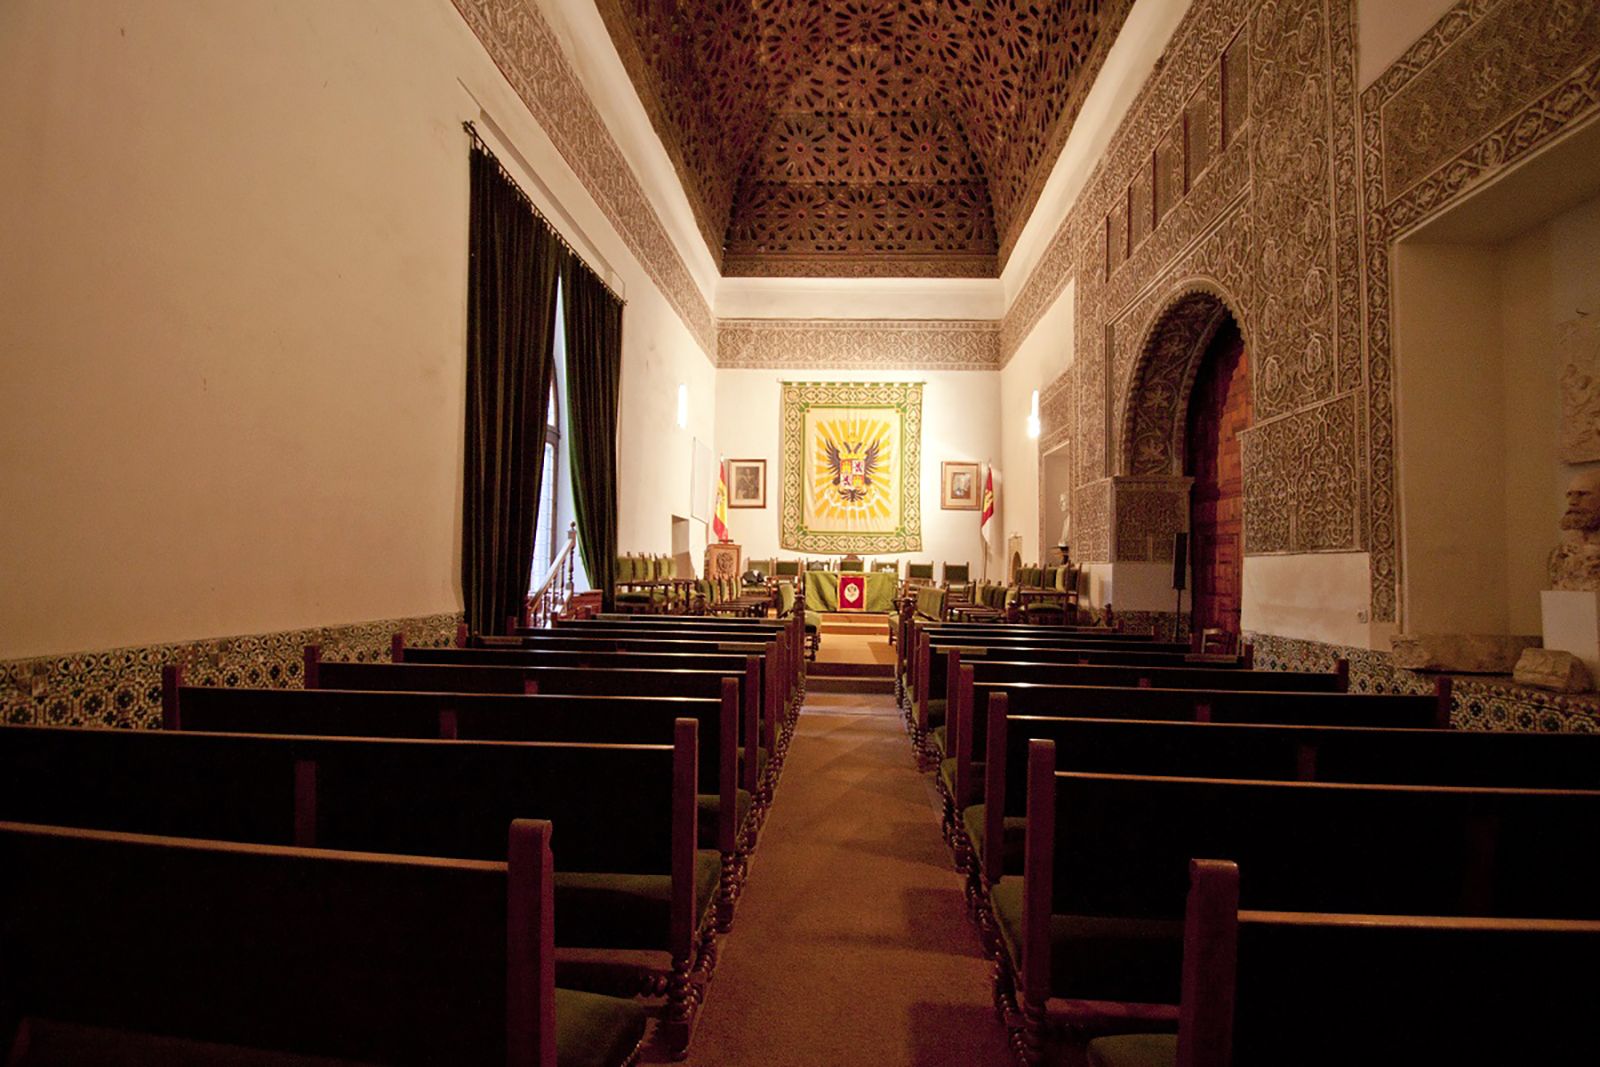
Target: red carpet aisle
pixel 851 944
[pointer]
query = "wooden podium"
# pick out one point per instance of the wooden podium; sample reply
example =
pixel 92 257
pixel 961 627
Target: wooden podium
pixel 722 560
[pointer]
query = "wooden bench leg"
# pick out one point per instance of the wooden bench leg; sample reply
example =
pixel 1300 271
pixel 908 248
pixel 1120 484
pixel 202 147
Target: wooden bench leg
pixel 727 892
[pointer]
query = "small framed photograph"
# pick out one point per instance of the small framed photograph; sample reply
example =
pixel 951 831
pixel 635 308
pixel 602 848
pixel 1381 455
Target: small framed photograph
pixel 959 489
pixel 747 483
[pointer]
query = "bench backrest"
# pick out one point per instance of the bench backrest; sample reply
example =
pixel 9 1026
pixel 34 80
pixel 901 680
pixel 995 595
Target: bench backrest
pixel 1121 844
pixel 414 797
pixel 1317 989
pixel 1275 752
pixel 1221 704
pixel 474 717
pixel 368 957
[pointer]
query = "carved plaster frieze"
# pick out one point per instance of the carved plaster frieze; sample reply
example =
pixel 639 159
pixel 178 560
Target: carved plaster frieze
pixel 1091 522
pixel 1301 473
pixel 1147 512
pixel 877 344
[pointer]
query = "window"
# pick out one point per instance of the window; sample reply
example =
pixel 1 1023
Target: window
pixel 545 542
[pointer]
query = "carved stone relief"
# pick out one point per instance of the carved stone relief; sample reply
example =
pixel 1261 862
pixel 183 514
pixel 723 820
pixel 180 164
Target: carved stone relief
pixel 1579 342
pixel 1152 436
pixel 1300 475
pixel 867 344
pixel 1091 522
pixel 1148 512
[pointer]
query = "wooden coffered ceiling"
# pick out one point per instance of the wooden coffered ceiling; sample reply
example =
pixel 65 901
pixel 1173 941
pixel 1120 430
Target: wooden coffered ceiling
pixel 852 138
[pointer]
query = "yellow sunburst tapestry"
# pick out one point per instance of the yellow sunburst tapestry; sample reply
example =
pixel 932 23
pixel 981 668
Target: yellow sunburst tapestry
pixel 852 459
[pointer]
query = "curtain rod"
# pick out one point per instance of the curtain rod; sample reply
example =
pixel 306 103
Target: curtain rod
pixel 483 146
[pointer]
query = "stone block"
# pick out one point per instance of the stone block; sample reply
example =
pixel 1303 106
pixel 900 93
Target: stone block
pixel 1549 668
pixel 1572 624
pixel 1461 653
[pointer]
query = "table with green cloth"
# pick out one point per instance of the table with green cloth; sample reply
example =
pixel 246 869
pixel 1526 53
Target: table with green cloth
pixel 822 591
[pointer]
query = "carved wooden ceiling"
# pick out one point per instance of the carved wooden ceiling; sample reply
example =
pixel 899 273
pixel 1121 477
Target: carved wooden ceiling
pixel 862 137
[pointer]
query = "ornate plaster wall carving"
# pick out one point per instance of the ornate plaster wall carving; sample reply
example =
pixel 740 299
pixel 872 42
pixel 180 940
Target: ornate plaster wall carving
pixel 1579 341
pixel 527 52
pixel 884 344
pixel 1148 511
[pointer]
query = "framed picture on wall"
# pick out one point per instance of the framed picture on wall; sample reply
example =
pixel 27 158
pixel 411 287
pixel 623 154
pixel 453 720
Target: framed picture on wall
pixel 747 483
pixel 959 489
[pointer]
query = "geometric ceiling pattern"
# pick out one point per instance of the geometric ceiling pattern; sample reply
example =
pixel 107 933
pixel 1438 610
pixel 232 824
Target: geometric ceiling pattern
pixel 862 137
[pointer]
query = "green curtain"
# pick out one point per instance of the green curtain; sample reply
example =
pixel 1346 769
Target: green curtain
pixel 514 259
pixel 594 378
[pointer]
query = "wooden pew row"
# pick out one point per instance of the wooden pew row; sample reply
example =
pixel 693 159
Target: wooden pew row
pixel 912 631
pixel 620 681
pixel 1267 988
pixel 792 628
pixel 663 644
pixel 725 803
pixel 932 677
pixel 961 771
pixel 940 744
pixel 1305 752
pixel 1094 916
pixel 1053 650
pixel 360 956
pixel 626 854
pixel 790 652
pixel 760 693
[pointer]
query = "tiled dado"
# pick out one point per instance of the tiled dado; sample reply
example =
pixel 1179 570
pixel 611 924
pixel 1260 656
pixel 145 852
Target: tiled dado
pixel 1482 702
pixel 122 687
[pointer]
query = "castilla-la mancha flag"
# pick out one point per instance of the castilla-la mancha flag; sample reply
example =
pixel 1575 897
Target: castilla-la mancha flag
pixel 986 524
pixel 719 516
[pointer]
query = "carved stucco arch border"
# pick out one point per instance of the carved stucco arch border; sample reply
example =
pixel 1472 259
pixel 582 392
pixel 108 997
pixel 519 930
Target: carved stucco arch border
pixel 1154 408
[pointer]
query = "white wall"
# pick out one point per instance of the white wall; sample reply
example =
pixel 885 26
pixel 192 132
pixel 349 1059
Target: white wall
pixel 1041 358
pixel 1478 399
pixel 232 315
pixel 1386 28
pixel 959 423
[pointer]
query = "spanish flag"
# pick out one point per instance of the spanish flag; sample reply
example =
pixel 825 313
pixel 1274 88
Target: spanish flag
pixel 719 517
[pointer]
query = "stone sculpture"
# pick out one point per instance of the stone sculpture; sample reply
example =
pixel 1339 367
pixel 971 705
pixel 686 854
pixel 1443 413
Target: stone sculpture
pixel 1575 562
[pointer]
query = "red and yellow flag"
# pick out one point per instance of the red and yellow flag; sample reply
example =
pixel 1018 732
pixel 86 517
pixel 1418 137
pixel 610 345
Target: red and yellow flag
pixel 986 524
pixel 719 517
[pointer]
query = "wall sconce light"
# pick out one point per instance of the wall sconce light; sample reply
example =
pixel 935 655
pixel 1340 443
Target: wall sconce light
pixel 683 406
pixel 1033 416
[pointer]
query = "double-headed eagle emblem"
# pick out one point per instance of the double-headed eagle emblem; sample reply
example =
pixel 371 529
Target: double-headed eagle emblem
pixel 853 467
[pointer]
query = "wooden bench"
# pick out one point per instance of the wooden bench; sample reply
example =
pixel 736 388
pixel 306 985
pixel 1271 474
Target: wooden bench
pixel 1094 916
pixel 1268 988
pixel 360 956
pixel 625 855
pixel 930 680
pixel 727 820
pixel 940 643
pixel 792 631
pixel 619 681
pixel 1310 753
pixel 940 744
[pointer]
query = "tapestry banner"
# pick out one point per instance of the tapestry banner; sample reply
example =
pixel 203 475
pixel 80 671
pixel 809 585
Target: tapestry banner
pixel 852 467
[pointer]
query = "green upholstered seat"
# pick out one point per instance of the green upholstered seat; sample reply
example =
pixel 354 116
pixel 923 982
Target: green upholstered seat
pixel 710 805
pixel 1098 957
pixel 626 910
pixel 936 737
pixel 813 621
pixel 947 775
pixel 1132 1050
pixel 936 710
pixel 593 1030
pixel 761 760
pixel 972 817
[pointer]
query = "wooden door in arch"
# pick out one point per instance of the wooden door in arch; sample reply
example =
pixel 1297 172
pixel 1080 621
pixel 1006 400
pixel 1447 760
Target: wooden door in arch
pixel 1219 408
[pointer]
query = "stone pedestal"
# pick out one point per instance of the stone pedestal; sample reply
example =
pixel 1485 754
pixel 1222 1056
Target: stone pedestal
pixel 1572 624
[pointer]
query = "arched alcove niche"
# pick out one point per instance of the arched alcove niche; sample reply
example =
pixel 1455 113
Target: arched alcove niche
pixel 1156 406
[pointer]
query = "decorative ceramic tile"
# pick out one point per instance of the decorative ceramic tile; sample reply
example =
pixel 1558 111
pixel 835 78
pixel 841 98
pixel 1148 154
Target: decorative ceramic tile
pixel 122 687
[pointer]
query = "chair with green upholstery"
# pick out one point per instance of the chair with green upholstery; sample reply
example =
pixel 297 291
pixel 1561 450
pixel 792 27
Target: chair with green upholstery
pixel 886 566
pixel 788 603
pixel 851 566
pixel 818 565
pixel 958 581
pixel 786 568
pixel 763 567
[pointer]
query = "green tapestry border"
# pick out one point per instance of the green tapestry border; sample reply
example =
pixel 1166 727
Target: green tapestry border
pixel 798 398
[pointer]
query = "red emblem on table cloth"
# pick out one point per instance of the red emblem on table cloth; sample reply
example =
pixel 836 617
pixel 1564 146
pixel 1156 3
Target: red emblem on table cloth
pixel 852 592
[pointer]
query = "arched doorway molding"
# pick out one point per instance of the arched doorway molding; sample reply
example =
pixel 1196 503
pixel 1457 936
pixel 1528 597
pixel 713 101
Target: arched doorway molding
pixel 1156 404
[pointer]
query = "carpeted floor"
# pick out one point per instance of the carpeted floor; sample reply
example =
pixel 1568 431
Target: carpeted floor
pixel 851 944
